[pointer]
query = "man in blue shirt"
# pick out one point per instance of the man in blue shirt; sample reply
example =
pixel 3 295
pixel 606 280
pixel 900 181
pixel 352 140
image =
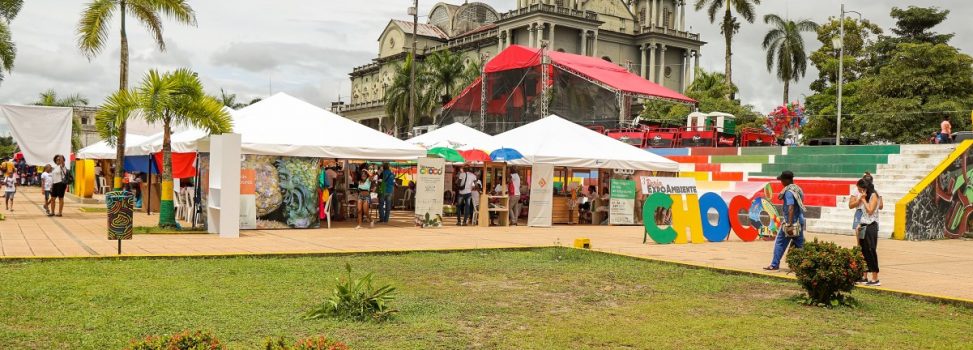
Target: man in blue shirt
pixel 793 198
pixel 385 198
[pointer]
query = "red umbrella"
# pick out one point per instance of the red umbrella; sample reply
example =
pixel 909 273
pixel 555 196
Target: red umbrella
pixel 475 155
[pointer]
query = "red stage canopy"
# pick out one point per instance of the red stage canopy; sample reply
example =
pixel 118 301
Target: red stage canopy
pixel 516 57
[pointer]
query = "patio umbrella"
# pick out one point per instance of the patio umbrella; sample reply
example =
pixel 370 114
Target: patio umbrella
pixel 505 154
pixel 449 154
pixel 475 155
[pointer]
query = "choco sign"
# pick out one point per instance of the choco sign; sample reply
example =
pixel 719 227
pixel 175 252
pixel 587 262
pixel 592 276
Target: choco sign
pixel 689 213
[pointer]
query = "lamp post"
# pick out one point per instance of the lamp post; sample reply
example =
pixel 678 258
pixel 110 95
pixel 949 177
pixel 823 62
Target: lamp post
pixel 414 11
pixel 839 43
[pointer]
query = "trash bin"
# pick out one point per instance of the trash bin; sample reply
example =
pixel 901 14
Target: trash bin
pixel 121 206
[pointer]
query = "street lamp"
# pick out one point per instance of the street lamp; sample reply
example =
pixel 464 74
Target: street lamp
pixel 839 43
pixel 414 11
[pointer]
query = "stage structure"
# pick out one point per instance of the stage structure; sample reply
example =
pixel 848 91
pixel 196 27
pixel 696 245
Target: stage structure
pixel 586 90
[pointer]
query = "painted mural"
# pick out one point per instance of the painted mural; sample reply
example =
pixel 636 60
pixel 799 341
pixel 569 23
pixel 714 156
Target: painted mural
pixel 286 191
pixel 944 208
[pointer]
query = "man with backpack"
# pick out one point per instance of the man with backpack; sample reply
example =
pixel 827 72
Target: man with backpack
pixel 792 231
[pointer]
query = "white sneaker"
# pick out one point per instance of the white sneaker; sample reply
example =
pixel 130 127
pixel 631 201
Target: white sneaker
pixel 358 227
pixel 371 224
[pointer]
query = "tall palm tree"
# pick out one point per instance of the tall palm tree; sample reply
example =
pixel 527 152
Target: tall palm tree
pixel 173 98
pixel 397 95
pixel 785 47
pixel 443 71
pixel 92 31
pixel 8 50
pixel 729 26
pixel 50 98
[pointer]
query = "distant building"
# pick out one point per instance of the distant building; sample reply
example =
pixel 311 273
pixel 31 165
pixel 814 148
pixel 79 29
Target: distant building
pixel 86 116
pixel 648 37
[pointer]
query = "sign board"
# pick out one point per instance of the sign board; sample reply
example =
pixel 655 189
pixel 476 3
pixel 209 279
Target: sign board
pixel 430 177
pixel 668 185
pixel 248 199
pixel 539 212
pixel 621 207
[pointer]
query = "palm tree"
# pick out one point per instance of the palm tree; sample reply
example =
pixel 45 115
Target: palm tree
pixel 471 73
pixel 229 100
pixel 92 34
pixel 8 50
pixel 730 26
pixel 174 98
pixel 50 98
pixel 785 46
pixel 443 71
pixel 711 85
pixel 397 95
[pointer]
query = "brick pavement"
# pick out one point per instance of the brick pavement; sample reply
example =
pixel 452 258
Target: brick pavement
pixel 943 268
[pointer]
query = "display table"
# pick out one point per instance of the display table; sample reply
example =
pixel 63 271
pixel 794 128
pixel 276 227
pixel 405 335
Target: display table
pixel 562 213
pixel 501 208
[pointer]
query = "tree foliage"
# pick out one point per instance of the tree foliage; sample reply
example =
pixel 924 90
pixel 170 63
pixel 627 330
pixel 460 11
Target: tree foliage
pixel 897 88
pixel 710 91
pixel 729 26
pixel 785 49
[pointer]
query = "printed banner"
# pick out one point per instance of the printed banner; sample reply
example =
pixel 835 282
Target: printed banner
pixel 430 185
pixel 248 199
pixel 541 195
pixel 668 185
pixel 621 209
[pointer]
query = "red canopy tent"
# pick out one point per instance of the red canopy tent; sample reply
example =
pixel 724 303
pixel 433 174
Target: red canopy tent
pixel 582 85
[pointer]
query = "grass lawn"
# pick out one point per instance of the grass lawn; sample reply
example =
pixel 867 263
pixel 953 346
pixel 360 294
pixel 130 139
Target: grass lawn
pixel 538 299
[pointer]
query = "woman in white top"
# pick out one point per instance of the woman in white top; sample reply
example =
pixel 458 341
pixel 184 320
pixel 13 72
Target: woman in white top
pixel 868 202
pixel 9 189
pixel 59 179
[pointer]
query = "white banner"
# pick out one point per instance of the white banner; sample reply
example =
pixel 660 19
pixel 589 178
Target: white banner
pixel 541 195
pixel 430 177
pixel 668 185
pixel 41 132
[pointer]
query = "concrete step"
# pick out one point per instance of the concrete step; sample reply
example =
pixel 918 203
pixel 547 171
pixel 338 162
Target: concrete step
pixel 914 166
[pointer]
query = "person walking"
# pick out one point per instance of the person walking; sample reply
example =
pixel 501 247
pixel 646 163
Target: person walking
pixel 364 185
pixel 514 197
pixel 385 191
pixel 792 231
pixel 46 184
pixel 868 201
pixel 9 190
pixel 466 181
pixel 59 177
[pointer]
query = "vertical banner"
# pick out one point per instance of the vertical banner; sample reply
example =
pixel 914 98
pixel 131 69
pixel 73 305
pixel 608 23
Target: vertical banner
pixel 541 195
pixel 430 187
pixel 622 203
pixel 248 199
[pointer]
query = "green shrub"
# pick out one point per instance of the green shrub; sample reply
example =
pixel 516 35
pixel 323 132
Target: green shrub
pixel 356 299
pixel 185 340
pixel 825 270
pixel 314 343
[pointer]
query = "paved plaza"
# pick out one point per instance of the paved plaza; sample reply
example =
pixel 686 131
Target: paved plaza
pixel 940 268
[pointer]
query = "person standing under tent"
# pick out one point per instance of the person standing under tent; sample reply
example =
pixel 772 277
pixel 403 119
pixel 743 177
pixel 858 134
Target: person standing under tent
pixel 466 181
pixel 793 198
pixel 46 185
pixel 9 190
pixel 59 177
pixel 364 185
pixel 387 183
pixel 514 193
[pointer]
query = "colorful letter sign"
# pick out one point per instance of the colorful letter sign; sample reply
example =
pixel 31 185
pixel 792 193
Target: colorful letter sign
pixel 690 214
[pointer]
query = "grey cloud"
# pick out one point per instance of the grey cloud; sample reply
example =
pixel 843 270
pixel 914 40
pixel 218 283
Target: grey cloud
pixel 265 56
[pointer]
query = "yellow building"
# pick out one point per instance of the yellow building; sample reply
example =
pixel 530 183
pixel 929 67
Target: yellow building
pixel 648 37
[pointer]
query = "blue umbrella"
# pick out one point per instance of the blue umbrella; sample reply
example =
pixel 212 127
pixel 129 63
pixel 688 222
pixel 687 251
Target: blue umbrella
pixel 505 155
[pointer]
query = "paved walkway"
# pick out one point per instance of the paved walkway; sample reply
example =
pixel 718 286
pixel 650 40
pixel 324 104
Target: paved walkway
pixel 943 268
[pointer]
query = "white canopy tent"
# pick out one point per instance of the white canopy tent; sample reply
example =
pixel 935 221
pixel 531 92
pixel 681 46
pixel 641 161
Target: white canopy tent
pixel 456 135
pixel 102 150
pixel 563 143
pixel 282 125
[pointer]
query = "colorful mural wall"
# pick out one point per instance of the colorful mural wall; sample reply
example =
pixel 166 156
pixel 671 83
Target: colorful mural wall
pixel 286 191
pixel 944 205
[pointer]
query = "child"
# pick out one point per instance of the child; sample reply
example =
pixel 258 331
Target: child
pixel 46 185
pixel 9 189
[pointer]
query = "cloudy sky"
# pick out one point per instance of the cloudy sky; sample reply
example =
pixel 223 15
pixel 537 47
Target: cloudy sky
pixel 306 48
